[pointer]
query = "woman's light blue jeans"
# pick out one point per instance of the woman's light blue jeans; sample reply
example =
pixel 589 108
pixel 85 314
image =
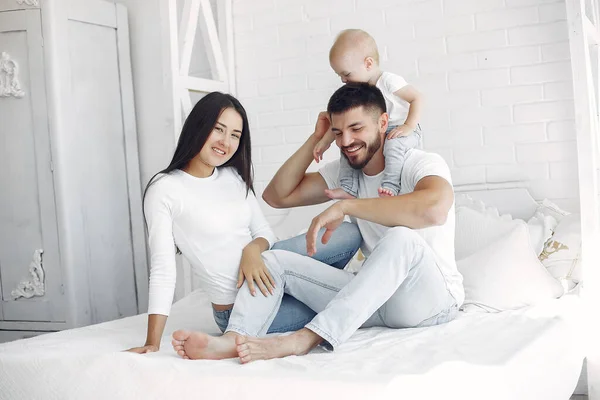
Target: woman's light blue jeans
pixel 293 314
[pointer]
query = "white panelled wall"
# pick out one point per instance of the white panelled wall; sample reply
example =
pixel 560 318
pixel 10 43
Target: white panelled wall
pixel 496 76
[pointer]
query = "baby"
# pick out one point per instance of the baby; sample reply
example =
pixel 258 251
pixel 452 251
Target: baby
pixel 355 58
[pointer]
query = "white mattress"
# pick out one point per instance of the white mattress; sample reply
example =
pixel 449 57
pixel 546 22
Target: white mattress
pixel 529 354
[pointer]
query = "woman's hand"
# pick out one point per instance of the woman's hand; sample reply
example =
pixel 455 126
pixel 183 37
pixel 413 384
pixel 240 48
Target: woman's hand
pixel 253 269
pixel 156 326
pixel 149 348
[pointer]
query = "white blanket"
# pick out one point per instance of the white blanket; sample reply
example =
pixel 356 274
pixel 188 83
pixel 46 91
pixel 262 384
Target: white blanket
pixel 528 354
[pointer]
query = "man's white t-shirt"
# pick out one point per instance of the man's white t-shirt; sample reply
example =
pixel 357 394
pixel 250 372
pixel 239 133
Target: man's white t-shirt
pixel 418 165
pixel 397 108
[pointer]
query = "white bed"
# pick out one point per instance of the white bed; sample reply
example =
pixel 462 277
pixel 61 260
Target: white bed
pixel 526 354
pixel 531 353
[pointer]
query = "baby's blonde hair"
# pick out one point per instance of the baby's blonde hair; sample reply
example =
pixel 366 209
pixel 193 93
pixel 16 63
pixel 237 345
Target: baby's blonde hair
pixel 354 39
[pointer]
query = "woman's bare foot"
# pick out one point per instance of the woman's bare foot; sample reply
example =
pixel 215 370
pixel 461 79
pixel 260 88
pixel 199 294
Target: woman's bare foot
pixel 200 346
pixel 296 344
pixel 338 194
pixel 383 192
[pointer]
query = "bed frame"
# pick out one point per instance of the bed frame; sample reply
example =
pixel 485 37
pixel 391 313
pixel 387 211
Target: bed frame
pixel 583 17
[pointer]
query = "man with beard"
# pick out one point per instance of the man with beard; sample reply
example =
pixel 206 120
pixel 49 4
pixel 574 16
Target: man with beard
pixel 409 278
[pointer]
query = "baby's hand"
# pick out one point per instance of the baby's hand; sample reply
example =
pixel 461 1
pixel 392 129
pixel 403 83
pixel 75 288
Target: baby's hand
pixel 320 148
pixel 323 125
pixel 402 130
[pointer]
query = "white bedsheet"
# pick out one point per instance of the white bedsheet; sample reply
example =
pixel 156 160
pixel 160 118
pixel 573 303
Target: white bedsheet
pixel 528 354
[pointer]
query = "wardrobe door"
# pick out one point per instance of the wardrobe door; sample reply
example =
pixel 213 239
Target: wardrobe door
pixel 98 146
pixel 30 274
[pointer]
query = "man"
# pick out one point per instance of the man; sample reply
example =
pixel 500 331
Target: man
pixel 409 278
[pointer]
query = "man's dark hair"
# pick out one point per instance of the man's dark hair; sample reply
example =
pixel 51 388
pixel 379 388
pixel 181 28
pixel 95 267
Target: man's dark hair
pixel 354 95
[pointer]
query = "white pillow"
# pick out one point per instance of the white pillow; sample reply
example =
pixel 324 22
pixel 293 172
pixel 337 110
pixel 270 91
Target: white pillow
pixel 481 225
pixel 476 230
pixel 562 252
pixel 507 274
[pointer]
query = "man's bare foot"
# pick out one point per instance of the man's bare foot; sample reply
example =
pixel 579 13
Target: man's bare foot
pixel 296 344
pixel 383 192
pixel 338 194
pixel 200 346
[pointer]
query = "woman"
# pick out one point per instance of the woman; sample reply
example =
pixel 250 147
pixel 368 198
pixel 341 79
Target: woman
pixel 203 204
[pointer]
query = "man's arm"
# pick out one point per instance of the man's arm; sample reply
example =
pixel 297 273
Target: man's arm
pixel 427 206
pixel 292 186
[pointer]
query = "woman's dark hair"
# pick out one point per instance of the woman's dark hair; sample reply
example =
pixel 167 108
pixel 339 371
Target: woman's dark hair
pixel 197 128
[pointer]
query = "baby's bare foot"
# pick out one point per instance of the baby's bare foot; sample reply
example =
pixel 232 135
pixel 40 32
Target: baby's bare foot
pixel 338 194
pixel 383 192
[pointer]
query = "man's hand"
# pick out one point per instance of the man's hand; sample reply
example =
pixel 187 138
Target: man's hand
pixel 402 130
pixel 253 269
pixel 330 219
pixel 149 348
pixel 322 126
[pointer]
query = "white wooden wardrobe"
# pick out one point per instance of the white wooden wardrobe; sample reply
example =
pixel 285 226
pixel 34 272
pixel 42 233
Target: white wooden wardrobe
pixel 72 248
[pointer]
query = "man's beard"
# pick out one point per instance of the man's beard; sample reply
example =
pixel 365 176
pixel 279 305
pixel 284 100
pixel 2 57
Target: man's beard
pixel 371 150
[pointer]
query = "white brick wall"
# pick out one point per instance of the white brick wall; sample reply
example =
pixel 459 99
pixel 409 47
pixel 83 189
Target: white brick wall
pixel 496 75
